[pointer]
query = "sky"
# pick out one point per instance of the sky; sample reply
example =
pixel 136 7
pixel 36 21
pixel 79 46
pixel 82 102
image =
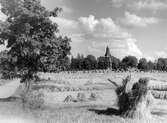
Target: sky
pixel 128 27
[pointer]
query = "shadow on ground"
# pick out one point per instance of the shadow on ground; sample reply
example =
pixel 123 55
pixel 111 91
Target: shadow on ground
pixel 113 111
pixel 10 99
pixel 159 113
pixel 108 111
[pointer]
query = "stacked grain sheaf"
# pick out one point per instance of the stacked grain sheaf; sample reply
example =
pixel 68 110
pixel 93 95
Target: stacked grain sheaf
pixel 159 90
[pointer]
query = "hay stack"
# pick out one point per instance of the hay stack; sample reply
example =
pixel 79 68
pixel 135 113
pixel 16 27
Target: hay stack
pixel 140 100
pixel 136 103
pixel 93 96
pixel 69 98
pixel 81 97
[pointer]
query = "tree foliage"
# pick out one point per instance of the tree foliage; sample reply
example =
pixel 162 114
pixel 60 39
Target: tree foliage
pixel 115 63
pixel 84 63
pixel 102 62
pixel 7 68
pixel 162 64
pixel 91 63
pixel 129 62
pixel 33 45
pixel 151 65
pixel 77 63
pixel 143 65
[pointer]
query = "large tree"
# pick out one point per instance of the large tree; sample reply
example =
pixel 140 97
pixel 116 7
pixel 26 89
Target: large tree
pixel 90 62
pixel 129 62
pixel 31 39
pixel 77 63
pixel 143 65
pixel 151 65
pixel 115 63
pixel 102 62
pixel 162 64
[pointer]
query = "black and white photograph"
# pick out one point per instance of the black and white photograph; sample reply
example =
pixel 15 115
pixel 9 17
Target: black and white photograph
pixel 83 61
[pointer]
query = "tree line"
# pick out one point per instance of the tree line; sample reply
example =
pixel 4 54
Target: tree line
pixel 90 62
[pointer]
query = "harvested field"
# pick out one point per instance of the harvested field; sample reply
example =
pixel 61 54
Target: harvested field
pixel 84 98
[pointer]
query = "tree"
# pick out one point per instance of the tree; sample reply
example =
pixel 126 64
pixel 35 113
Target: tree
pixel 102 63
pixel 90 62
pixel 77 63
pixel 162 64
pixel 33 45
pixel 80 59
pixel 143 65
pixel 115 63
pixel 74 63
pixel 65 64
pixel 129 62
pixel 7 68
pixel 151 65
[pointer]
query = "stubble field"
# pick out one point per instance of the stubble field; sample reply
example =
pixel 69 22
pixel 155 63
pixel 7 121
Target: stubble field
pixel 84 97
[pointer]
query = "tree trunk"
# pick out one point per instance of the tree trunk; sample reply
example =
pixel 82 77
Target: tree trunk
pixel 27 86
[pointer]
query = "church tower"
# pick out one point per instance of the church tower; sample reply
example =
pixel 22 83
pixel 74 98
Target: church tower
pixel 107 53
pixel 108 58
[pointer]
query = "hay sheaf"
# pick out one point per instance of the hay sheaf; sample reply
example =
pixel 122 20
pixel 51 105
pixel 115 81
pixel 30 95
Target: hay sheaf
pixel 135 103
pixel 81 97
pixel 159 94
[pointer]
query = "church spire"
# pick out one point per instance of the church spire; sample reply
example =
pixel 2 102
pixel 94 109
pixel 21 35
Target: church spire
pixel 107 53
pixel 108 57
